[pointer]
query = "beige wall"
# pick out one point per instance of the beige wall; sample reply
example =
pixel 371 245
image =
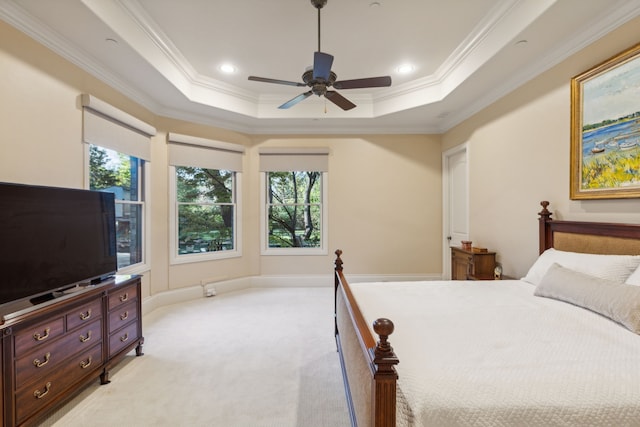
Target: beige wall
pixel 40 117
pixel 519 155
pixel 385 191
pixel 384 209
pixel 385 195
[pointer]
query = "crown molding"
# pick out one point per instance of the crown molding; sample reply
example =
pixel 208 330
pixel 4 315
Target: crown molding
pixel 240 110
pixel 623 11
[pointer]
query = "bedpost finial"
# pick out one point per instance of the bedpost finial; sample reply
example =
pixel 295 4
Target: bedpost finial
pixel 544 205
pixel 384 328
pixel 544 212
pixel 338 261
pixel 384 357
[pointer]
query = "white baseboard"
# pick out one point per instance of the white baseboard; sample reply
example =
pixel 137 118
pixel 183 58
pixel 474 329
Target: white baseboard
pixel 289 281
pixel 175 296
pixel 170 297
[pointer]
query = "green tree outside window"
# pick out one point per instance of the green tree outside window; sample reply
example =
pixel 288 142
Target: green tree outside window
pixel 206 210
pixel 294 201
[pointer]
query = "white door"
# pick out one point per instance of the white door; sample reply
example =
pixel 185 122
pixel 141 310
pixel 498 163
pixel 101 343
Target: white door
pixel 455 202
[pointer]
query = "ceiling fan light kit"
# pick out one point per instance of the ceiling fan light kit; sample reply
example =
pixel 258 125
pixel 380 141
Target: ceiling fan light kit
pixel 320 78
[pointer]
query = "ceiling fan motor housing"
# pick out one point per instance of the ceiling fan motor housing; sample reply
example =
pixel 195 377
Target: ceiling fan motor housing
pixel 318 4
pixel 318 86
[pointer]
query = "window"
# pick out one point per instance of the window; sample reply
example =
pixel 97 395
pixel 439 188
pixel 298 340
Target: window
pixel 294 206
pixel 205 178
pixel 118 153
pixel 206 209
pixel 294 214
pixel 121 174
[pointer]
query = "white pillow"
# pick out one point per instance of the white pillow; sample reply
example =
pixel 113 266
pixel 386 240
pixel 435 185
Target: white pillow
pixel 634 279
pixel 610 267
pixel 617 301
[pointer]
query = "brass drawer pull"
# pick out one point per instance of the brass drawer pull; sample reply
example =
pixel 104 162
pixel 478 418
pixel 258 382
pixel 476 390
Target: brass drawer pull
pixel 40 394
pixel 85 316
pixel 38 364
pixel 125 337
pixel 39 337
pixel 124 316
pixel 124 297
pixel 85 365
pixel 87 338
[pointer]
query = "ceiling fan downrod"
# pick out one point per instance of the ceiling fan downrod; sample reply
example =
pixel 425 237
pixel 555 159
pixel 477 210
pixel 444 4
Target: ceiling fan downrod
pixel 318 4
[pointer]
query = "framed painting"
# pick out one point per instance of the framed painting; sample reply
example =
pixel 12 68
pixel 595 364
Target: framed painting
pixel 605 129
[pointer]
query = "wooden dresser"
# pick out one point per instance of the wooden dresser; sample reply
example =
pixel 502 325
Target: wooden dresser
pixel 1 378
pixel 472 265
pixel 52 350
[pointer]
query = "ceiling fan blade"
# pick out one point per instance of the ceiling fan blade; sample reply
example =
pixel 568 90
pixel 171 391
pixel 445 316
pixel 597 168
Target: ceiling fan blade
pixel 339 100
pixel 280 82
pixel 363 83
pixel 322 65
pixel 295 100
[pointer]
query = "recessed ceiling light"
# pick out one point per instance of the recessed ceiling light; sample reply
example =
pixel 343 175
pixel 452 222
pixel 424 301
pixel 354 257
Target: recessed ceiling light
pixel 228 68
pixel 405 68
pixel 374 4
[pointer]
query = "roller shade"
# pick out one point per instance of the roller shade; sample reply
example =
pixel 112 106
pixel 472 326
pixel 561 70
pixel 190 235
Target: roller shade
pixel 109 127
pixel 286 159
pixel 185 150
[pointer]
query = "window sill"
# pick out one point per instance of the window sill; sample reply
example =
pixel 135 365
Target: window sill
pixel 205 257
pixel 294 252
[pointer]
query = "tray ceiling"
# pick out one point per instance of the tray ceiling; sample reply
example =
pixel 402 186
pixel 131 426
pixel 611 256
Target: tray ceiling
pixel 167 54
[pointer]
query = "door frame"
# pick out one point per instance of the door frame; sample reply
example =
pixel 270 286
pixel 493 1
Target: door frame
pixel 446 251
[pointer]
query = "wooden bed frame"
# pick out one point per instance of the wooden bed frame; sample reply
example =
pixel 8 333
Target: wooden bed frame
pixel 372 360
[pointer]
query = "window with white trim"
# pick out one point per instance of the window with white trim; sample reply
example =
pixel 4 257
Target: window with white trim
pixel 294 208
pixel 117 147
pixel 118 173
pixel 204 183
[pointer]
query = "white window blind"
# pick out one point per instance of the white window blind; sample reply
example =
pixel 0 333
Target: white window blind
pixel 185 150
pixel 288 159
pixel 109 127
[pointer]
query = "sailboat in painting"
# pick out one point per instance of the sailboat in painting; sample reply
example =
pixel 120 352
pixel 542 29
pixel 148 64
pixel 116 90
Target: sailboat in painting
pixel 598 148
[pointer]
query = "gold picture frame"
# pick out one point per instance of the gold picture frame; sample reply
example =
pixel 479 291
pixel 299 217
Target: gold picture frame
pixel 605 129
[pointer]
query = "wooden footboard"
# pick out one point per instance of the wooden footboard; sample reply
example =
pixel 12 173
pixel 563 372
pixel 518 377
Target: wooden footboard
pixel 368 366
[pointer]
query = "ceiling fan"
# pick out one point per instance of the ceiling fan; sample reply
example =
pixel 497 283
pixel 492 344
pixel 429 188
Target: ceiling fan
pixel 320 77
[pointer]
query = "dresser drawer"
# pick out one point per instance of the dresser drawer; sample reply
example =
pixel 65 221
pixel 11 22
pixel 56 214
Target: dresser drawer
pixel 84 314
pixel 122 296
pixel 122 315
pixel 38 335
pixel 45 359
pixel 36 396
pixel 123 338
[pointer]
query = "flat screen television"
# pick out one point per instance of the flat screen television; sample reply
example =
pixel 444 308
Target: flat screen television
pixel 53 238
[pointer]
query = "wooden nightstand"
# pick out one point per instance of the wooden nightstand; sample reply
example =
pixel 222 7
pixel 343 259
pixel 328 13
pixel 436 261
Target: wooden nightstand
pixel 472 265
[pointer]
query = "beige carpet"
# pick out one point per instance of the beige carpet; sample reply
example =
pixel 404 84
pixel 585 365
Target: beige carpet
pixel 258 357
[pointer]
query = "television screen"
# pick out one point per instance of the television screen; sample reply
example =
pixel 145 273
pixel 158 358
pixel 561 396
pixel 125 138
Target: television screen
pixel 52 238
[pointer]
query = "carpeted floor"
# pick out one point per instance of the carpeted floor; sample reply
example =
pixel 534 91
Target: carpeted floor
pixel 258 357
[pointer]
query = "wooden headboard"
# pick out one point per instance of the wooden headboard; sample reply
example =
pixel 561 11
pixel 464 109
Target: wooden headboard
pixel 588 237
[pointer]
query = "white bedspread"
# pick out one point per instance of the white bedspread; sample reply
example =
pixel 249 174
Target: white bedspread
pixel 492 354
